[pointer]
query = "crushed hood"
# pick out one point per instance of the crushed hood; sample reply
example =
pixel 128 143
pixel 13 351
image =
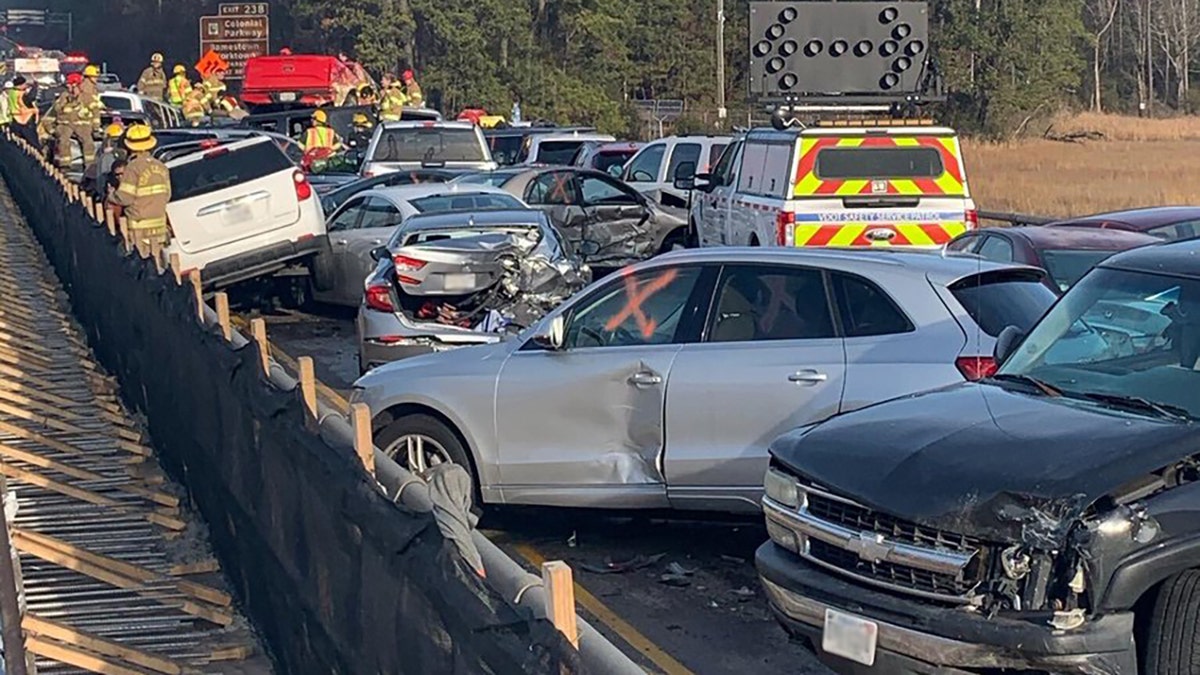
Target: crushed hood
pixel 980 460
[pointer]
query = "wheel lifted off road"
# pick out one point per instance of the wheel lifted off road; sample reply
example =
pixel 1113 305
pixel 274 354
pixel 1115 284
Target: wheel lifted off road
pixel 1173 636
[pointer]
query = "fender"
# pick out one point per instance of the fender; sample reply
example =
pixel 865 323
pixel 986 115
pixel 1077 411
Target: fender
pixel 1143 571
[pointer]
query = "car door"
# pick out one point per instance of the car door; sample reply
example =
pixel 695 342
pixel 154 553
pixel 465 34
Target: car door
pixel 586 421
pixel 352 247
pixel 644 168
pixel 616 218
pixel 715 202
pixel 556 194
pixel 770 360
pixel 326 268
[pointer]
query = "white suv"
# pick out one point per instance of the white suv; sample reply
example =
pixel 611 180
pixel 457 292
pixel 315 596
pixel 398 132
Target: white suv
pixel 242 210
pixel 652 170
pixel 404 146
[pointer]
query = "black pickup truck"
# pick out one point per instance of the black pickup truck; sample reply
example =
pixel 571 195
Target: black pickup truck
pixel 1046 519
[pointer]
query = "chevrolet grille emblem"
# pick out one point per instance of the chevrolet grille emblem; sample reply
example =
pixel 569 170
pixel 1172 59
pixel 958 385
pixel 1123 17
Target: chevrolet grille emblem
pixel 870 547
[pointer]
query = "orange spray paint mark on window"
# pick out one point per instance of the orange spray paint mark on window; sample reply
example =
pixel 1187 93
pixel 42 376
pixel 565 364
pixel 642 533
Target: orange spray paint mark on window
pixel 636 295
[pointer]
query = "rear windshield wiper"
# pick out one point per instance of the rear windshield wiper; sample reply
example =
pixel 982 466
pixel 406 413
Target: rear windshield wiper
pixel 1139 404
pixel 1047 389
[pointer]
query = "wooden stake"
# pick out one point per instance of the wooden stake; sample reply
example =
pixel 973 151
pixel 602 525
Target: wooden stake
pixel 110 219
pixel 198 294
pixel 222 302
pixel 177 268
pixel 100 210
pixel 560 599
pixel 364 445
pixel 308 384
pixel 74 656
pixel 258 329
pixel 156 254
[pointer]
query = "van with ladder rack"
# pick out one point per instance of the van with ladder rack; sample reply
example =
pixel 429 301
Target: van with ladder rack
pixel 836 182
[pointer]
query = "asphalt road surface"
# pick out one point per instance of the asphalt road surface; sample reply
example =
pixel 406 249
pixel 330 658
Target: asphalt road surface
pixel 677 593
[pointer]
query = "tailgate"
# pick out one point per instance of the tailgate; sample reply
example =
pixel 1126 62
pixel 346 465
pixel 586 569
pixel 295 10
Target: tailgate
pixel 225 197
pixel 289 73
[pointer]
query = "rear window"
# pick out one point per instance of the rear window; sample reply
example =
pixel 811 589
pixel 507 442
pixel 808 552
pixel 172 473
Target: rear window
pixel 429 144
pixel 117 102
pixel 226 169
pixel 607 160
pixel 505 149
pixel 996 300
pixel 879 163
pixel 557 152
pixel 468 202
pixel 1067 266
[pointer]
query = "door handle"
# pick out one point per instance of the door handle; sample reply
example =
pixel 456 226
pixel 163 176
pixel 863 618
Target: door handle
pixel 377 242
pixel 807 377
pixel 339 242
pixel 644 379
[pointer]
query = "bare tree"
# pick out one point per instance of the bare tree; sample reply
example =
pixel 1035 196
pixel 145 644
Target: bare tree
pixel 1099 15
pixel 1175 25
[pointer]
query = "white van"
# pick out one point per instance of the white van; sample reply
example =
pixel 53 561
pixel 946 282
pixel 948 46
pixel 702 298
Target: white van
pixel 242 210
pixel 653 169
pixel 836 186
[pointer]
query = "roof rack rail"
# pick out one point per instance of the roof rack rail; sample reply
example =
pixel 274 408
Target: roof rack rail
pixel 802 112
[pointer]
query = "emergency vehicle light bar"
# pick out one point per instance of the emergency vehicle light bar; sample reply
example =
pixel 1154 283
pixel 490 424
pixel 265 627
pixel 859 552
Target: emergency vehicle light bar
pixel 881 122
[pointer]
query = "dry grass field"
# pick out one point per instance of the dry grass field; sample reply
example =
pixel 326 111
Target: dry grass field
pixel 1140 162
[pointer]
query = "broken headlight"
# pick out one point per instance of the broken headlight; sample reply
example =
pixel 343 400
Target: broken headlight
pixel 781 488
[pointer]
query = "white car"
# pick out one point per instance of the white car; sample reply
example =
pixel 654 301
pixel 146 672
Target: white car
pixel 367 220
pixel 242 210
pixel 653 169
pixel 557 148
pixel 161 115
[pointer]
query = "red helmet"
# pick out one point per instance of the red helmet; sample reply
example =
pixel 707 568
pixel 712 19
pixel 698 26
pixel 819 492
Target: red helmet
pixel 74 78
pixel 408 75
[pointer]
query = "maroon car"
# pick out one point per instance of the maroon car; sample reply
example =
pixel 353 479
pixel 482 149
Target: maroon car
pixel 1066 253
pixel 1164 222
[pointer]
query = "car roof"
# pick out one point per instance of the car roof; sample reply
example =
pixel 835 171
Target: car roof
pixel 618 146
pixel 426 124
pixel 405 192
pixel 1070 237
pixel 940 269
pixel 1140 218
pixel 1176 258
pixel 574 136
pixel 436 221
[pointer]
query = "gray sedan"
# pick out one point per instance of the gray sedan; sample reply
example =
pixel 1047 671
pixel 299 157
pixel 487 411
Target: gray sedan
pixel 661 386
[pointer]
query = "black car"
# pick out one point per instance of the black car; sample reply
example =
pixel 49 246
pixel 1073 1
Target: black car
pixel 1044 519
pixel 508 145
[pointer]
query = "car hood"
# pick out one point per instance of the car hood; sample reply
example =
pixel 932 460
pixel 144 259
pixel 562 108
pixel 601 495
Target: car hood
pixel 981 460
pixel 474 360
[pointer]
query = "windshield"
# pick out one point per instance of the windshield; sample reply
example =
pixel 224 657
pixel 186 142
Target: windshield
pixel 1119 333
pixel 465 202
pixel 429 144
pixel 1067 266
pixel 505 149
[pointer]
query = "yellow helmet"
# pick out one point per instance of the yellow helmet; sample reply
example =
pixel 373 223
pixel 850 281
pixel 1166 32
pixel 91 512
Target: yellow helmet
pixel 139 138
pixel 114 130
pixel 320 117
pixel 91 71
pixel 361 119
pixel 179 70
pixel 156 58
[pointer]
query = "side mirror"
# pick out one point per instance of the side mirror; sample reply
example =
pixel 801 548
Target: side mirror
pixel 616 170
pixel 1006 343
pixel 685 176
pixel 551 336
pixel 379 253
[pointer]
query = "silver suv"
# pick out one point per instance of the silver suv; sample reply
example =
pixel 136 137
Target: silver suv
pixel 661 385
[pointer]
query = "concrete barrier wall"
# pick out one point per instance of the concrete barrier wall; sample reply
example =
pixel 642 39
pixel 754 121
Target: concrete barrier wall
pixel 337 578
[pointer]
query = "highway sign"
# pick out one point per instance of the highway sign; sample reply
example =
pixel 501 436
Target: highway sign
pixel 238 32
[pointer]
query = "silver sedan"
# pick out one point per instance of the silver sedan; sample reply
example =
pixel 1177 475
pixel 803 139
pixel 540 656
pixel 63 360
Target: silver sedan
pixel 662 385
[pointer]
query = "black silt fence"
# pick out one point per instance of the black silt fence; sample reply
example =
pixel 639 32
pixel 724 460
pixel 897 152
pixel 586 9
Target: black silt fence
pixel 335 577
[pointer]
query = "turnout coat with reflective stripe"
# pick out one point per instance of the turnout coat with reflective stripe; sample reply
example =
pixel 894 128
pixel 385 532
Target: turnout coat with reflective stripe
pixel 144 192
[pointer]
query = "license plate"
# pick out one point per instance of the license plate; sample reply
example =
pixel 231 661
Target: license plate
pixel 459 282
pixel 287 97
pixel 850 637
pixel 238 215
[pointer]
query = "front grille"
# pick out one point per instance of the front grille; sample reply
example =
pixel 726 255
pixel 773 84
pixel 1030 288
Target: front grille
pixel 858 518
pixel 900 576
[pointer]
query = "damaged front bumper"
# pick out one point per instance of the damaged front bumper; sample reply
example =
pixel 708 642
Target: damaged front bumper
pixel 918 637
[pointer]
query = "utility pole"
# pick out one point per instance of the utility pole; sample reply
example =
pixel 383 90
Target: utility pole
pixel 721 112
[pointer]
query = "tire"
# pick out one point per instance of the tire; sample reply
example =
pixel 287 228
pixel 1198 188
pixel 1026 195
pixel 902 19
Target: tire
pixel 432 428
pixel 1173 636
pixel 754 240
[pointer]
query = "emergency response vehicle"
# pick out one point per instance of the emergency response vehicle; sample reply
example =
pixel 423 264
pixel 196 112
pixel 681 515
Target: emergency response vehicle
pixel 837 182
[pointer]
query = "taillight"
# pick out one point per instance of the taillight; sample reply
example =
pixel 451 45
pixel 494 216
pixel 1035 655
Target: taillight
pixel 303 189
pixel 785 224
pixel 368 174
pixel 379 298
pixel 972 219
pixel 403 264
pixel 216 153
pixel 976 367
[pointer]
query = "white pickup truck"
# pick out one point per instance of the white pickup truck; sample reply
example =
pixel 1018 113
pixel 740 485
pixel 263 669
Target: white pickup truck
pixel 243 210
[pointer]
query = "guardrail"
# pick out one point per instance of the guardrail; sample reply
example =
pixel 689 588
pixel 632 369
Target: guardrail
pixel 1017 219
pixel 345 561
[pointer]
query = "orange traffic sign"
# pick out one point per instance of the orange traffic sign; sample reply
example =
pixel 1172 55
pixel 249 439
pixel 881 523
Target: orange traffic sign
pixel 210 63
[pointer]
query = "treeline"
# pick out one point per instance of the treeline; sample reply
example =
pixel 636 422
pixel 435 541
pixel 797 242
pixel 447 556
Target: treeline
pixel 1003 62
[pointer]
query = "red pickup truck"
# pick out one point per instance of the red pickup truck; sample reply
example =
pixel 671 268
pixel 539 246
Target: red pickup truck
pixel 302 80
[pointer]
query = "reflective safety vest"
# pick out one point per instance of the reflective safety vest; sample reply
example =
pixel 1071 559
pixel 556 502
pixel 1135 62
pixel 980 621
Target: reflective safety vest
pixel 178 89
pixel 319 136
pixel 392 106
pixel 21 113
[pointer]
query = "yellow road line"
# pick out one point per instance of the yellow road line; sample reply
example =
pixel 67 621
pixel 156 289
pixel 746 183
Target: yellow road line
pixel 655 654
pixel 290 363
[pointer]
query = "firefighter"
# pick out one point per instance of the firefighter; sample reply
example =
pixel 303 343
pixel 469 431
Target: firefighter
pixel 214 87
pixel 229 107
pixel 193 106
pixel 320 135
pixel 178 87
pixel 360 133
pixel 74 118
pixel 413 90
pixel 110 152
pixel 144 191
pixel 391 106
pixel 91 90
pixel 153 81
pixel 366 96
pixel 24 115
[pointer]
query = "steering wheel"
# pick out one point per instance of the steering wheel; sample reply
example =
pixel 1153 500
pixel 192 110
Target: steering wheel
pixel 593 334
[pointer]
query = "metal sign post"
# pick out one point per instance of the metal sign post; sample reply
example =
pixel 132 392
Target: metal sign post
pixel 658 111
pixel 238 32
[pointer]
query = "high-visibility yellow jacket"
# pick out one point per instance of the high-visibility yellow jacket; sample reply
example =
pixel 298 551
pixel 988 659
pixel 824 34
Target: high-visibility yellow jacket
pixel 178 89
pixel 320 136
pixel 144 192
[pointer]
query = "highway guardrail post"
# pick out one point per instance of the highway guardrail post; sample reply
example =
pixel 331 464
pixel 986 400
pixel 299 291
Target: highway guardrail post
pixel 560 599
pixel 222 302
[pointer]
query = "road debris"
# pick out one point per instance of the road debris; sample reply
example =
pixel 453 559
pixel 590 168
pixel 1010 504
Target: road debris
pixel 621 567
